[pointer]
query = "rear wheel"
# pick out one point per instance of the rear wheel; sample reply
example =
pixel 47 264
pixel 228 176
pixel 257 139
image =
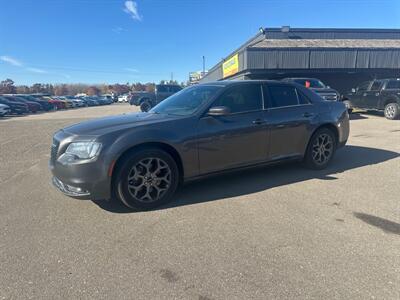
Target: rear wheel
pixel 146 179
pixel 145 106
pixel 321 149
pixel 392 111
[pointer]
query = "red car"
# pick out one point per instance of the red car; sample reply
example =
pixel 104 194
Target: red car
pixel 58 103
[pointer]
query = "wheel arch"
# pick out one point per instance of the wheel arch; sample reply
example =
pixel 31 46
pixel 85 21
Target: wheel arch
pixel 158 145
pixel 391 99
pixel 329 126
pixel 144 98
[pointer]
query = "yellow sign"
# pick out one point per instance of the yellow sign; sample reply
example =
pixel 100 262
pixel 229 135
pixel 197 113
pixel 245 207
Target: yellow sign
pixel 231 66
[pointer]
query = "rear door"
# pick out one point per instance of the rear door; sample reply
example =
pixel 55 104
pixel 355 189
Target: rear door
pixel 288 116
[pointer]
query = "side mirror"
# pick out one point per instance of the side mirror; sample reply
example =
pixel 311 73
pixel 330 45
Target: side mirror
pixel 219 111
pixel 353 90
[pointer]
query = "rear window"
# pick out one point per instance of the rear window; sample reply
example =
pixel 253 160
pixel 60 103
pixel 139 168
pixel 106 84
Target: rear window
pixel 393 84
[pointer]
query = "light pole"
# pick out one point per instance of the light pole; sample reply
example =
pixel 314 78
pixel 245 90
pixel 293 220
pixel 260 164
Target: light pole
pixel 204 66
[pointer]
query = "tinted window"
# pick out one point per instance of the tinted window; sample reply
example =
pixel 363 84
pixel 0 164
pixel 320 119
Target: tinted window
pixel 161 89
pixel 187 101
pixel 376 86
pixel 281 95
pixel 241 98
pixel 310 83
pixel 393 84
pixel 175 89
pixel 364 86
pixel 302 98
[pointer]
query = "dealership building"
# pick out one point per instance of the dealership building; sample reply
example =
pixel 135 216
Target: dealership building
pixel 341 58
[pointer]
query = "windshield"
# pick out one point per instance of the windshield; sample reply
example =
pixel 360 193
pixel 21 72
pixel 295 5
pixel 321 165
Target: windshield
pixel 187 101
pixel 310 83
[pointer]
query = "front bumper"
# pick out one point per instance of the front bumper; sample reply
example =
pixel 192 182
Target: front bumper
pixel 4 112
pixel 69 190
pixel 19 110
pixel 83 180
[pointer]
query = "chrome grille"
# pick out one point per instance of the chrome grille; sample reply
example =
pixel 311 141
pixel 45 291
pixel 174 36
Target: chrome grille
pixel 54 150
pixel 329 96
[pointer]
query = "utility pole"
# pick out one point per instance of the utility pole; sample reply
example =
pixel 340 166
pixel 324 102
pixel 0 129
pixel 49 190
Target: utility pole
pixel 172 76
pixel 204 66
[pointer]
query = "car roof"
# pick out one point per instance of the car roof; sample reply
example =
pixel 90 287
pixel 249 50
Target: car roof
pixel 301 78
pixel 234 82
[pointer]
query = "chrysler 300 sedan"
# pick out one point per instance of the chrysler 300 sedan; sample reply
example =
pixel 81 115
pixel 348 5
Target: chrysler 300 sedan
pixel 142 158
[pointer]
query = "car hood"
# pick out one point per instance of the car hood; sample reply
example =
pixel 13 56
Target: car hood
pixel 114 123
pixel 324 90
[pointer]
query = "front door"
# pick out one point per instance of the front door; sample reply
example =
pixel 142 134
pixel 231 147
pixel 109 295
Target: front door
pixel 359 99
pixel 373 95
pixel 237 139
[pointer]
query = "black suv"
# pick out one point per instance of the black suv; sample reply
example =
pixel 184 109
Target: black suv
pixel 317 86
pixel 379 94
pixel 146 100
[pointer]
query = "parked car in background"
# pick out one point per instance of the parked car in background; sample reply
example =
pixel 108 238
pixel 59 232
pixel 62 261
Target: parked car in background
pixel 45 105
pixel 205 129
pixel 4 110
pixel 58 104
pixel 317 86
pixel 15 107
pixel 147 100
pixel 90 101
pixel 33 107
pixel 123 98
pixel 104 100
pixel 379 94
pixel 68 102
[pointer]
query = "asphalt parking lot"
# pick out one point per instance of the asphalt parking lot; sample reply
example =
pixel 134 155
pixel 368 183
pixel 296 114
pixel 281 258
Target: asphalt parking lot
pixel 281 232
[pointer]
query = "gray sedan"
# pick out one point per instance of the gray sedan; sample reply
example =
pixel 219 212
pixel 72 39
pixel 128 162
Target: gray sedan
pixel 142 158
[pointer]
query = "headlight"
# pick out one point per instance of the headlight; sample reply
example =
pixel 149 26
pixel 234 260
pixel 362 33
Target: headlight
pixel 80 150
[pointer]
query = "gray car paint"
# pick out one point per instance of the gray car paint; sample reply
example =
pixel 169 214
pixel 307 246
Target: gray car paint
pixel 204 144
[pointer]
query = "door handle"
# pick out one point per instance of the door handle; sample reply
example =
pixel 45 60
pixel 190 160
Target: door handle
pixel 258 122
pixel 308 115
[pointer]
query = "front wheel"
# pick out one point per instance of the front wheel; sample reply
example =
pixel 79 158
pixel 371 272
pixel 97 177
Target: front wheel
pixel 146 179
pixel 145 106
pixel 321 149
pixel 392 111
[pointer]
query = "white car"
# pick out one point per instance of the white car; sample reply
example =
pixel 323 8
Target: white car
pixel 123 98
pixel 4 109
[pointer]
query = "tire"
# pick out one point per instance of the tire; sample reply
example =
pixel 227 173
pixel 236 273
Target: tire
pixel 392 111
pixel 145 106
pixel 348 106
pixel 139 185
pixel 318 157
